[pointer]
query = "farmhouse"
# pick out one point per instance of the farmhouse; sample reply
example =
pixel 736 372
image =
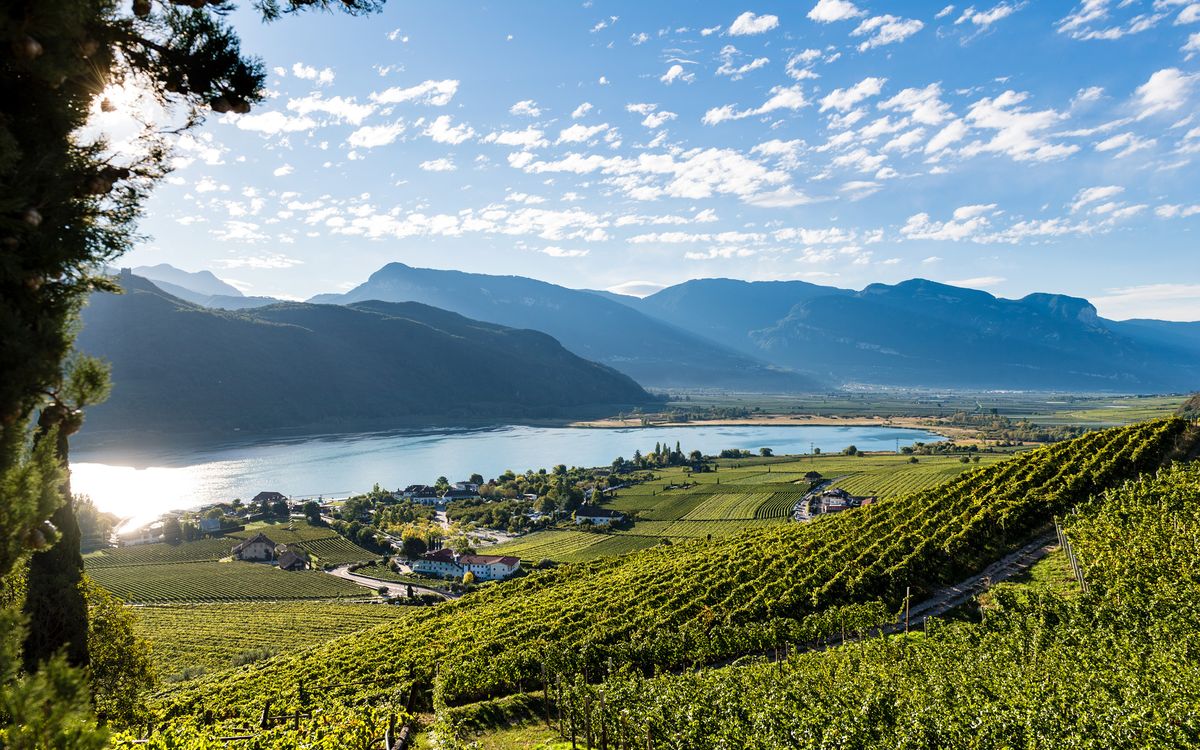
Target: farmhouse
pixel 421 493
pixel 452 495
pixel 598 516
pixel 258 548
pixel 829 501
pixel 267 498
pixel 443 562
pixel 293 560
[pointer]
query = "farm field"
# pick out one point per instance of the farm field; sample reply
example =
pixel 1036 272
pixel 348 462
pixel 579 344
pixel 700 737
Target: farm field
pixel 210 637
pixel 742 494
pixel 219 581
pixel 324 545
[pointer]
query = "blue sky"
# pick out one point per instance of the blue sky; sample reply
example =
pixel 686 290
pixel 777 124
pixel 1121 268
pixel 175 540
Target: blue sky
pixel 1013 147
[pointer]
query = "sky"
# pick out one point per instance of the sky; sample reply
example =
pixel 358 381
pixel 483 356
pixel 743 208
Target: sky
pixel 1013 147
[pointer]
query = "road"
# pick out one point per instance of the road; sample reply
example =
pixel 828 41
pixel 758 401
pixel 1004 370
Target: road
pixel 394 588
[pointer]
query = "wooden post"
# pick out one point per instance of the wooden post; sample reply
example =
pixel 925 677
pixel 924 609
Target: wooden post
pixel 603 724
pixel 265 720
pixel 587 719
pixel 649 744
pixel 389 737
pixel 546 694
pixel 907 594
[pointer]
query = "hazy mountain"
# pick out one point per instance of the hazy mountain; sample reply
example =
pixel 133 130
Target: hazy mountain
pixel 728 310
pixel 179 368
pixel 198 282
pixel 922 333
pixel 217 301
pixel 651 351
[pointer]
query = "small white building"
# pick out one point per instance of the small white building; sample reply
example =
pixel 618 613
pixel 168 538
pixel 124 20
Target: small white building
pixel 443 562
pixel 598 516
pixel 257 548
pixel 489 567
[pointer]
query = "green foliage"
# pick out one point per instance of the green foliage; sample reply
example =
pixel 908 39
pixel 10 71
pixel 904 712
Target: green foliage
pixel 120 667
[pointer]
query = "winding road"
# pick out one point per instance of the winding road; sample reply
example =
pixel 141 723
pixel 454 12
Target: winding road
pixel 394 588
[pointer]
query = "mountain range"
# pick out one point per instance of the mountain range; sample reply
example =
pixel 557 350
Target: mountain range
pixel 794 336
pixel 180 367
pixel 923 333
pixel 657 353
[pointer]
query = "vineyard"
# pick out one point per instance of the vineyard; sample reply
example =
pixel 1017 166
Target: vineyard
pixel 735 498
pixel 211 636
pixel 1113 668
pixel 700 600
pixel 219 581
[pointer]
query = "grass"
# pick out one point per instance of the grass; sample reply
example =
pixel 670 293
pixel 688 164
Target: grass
pixel 741 494
pixel 210 637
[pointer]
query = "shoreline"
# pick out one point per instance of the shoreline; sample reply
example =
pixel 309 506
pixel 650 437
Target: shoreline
pixel 785 420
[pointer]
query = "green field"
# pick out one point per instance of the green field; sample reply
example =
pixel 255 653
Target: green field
pixel 742 494
pixel 219 581
pixel 211 637
pixel 323 545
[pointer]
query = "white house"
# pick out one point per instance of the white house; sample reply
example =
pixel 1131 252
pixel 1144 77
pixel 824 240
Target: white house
pixel 598 516
pixel 489 567
pixel 151 534
pixel 257 548
pixel 443 562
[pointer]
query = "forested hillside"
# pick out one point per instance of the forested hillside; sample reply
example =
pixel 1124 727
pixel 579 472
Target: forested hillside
pixel 180 368
pixel 696 602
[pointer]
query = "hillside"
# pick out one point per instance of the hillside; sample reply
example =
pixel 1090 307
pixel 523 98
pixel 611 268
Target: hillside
pixel 922 333
pixel 699 601
pixel 179 368
pixel 653 352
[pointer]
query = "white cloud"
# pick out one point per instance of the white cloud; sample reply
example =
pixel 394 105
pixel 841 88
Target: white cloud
pixel 1085 21
pixel 782 97
pixel 579 133
pixel 639 38
pixel 436 93
pixel 272 123
pixel 969 222
pixel 944 12
pixel 786 152
pixel 828 11
pixel 947 136
pixel 1192 46
pixel 637 288
pixel 677 73
pixel 730 68
pixel 442 131
pixel 1164 301
pixel 528 138
pixel 1019 131
pixel 438 165
pixel 526 108
pixel 985 18
pixel 978 281
pixel 1127 143
pixel 581 110
pixel 1165 91
pixel 657 119
pixel 844 99
pixel 886 29
pixel 372 136
pixel 339 108
pixel 323 77
pixel 283 171
pixel 924 105
pixel 1095 194
pixel 748 24
pixel 557 252
pixel 1190 14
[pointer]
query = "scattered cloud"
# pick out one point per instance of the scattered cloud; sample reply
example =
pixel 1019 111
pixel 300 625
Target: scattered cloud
pixel 1165 91
pixel 828 11
pixel 435 93
pixel 677 73
pixel 581 110
pixel 748 24
pixel 322 77
pixel 441 130
pixel 438 165
pixel 886 29
pixel 1167 301
pixel 373 136
pixel 526 108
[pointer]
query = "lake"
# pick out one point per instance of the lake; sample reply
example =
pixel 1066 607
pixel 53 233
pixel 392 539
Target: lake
pixel 144 487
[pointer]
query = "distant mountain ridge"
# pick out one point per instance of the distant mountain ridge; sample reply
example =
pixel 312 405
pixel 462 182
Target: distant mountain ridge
pixel 924 333
pixel 180 368
pixel 656 353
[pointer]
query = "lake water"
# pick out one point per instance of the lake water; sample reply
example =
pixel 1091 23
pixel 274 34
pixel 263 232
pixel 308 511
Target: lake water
pixel 336 466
